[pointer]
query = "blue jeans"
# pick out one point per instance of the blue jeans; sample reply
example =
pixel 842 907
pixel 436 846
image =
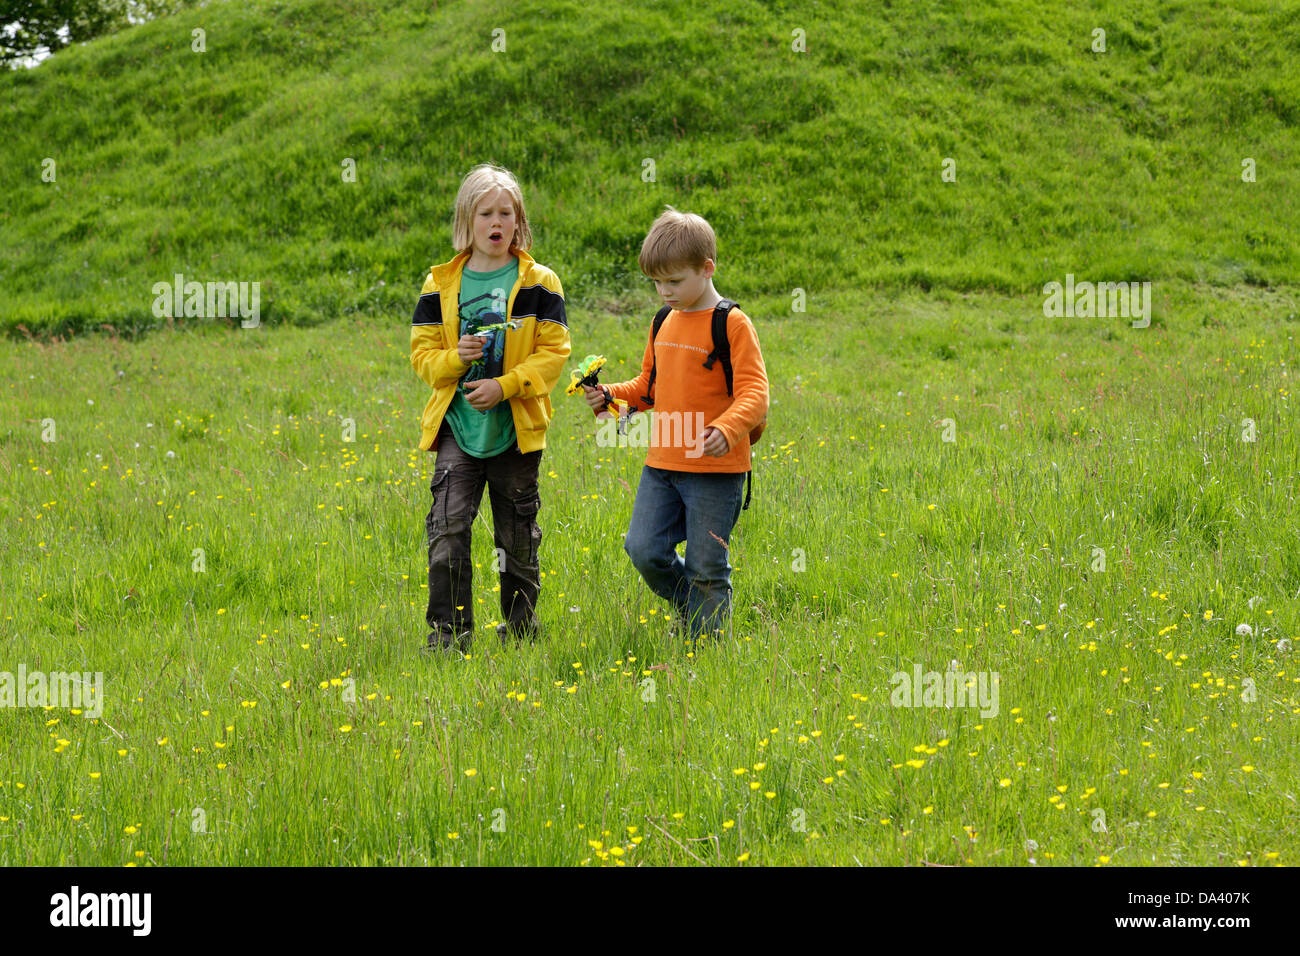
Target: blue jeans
pixel 700 509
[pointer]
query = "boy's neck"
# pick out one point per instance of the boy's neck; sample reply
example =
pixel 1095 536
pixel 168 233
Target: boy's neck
pixel 480 263
pixel 708 300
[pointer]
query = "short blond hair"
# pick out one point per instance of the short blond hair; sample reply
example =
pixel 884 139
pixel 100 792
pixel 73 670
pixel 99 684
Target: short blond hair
pixel 481 180
pixel 677 239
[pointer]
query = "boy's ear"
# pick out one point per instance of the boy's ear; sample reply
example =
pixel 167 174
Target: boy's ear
pixel 709 266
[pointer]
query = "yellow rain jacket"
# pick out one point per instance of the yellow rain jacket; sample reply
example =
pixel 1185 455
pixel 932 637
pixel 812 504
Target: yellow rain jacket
pixel 534 357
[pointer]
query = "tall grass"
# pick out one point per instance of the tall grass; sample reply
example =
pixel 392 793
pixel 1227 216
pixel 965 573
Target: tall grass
pixel 233 733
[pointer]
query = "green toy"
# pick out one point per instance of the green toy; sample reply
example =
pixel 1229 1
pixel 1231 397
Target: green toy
pixel 587 374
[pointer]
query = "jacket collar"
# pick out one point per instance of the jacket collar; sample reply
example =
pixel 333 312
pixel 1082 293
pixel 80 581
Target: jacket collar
pixel 442 273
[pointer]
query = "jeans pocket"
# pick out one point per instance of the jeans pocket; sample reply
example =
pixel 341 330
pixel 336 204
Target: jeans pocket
pixel 436 521
pixel 528 532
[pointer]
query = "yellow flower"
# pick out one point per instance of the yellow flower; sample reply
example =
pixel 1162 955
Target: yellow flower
pixel 917 764
pixel 728 824
pixel 1004 782
pixel 470 772
pixel 346 728
pixel 743 857
pixel 1209 614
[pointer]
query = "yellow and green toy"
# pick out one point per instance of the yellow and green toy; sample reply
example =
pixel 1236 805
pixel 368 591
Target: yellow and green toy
pixel 587 373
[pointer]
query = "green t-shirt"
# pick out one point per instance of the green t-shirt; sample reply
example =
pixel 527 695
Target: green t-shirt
pixel 483 300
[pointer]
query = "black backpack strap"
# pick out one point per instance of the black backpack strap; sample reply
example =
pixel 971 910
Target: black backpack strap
pixel 721 343
pixel 722 353
pixel 648 398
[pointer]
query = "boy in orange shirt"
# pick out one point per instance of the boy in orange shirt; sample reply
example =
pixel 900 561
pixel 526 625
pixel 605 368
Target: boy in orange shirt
pixel 694 477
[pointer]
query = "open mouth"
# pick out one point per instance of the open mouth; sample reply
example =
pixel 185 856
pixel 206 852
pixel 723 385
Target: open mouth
pixel 495 237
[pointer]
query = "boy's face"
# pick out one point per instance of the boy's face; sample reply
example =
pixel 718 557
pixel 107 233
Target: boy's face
pixel 683 286
pixel 494 224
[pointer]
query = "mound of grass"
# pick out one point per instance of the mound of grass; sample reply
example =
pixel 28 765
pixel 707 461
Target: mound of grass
pixel 813 139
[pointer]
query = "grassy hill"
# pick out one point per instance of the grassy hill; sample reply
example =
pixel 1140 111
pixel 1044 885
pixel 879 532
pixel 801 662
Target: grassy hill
pixel 819 169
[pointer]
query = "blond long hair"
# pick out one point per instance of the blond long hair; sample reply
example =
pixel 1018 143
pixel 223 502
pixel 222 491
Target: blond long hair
pixel 480 181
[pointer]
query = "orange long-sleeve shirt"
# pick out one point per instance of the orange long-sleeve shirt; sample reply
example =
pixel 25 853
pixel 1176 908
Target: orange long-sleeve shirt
pixel 689 397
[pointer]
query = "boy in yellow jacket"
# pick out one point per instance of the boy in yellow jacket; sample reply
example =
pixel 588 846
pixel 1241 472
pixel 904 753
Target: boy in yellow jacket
pixel 695 472
pixel 490 337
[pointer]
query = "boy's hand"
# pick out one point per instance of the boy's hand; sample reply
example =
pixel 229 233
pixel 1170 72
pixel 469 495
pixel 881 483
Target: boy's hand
pixel 469 348
pixel 483 394
pixel 715 443
pixel 595 397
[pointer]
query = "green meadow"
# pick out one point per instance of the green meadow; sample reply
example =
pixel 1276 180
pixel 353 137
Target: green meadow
pixel 228 523
pixel 280 690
